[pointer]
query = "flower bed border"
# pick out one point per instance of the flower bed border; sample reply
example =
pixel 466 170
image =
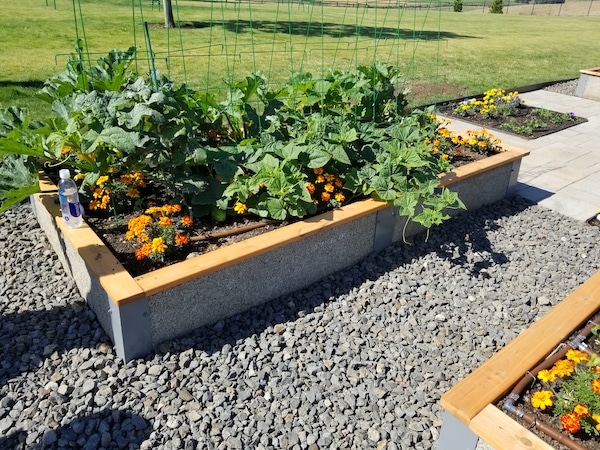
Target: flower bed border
pixel 139 313
pixel 470 410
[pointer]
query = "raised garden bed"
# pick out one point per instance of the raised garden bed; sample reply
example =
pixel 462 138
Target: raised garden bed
pixel 470 405
pixel 588 85
pixel 141 312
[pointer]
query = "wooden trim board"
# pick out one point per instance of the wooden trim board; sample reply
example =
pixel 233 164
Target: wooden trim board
pixel 492 380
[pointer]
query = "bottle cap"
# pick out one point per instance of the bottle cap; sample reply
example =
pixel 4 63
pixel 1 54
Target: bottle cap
pixel 64 174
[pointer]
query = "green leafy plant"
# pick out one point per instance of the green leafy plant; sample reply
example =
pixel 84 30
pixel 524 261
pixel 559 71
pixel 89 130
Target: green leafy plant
pixel 313 144
pixel 458 5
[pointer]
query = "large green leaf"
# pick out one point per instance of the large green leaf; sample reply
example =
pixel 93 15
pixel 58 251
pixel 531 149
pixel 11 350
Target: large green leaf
pixel 11 146
pixel 18 180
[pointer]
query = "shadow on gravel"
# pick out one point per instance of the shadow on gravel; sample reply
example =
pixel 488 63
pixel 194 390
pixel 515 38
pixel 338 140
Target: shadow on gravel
pixel 31 337
pixel 451 241
pixel 109 428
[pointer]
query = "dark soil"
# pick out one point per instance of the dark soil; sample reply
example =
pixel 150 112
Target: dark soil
pixel 547 417
pixel 522 114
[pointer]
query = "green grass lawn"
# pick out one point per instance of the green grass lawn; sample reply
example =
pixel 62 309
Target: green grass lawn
pixel 226 41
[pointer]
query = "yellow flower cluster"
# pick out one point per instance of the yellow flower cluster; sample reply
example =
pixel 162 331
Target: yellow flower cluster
pixel 127 185
pixel 325 188
pixel 493 102
pixel 157 231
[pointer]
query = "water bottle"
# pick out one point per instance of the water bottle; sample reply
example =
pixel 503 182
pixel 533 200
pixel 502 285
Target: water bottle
pixel 69 200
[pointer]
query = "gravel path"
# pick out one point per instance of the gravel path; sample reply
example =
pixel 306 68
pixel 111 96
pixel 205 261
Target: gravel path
pixel 356 361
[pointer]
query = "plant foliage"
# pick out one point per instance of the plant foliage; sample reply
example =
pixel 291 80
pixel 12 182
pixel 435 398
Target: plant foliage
pixel 313 144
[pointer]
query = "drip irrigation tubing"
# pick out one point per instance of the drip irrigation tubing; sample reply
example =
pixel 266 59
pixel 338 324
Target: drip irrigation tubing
pixel 239 230
pixel 510 404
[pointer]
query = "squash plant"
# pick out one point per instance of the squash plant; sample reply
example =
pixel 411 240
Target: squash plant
pixel 261 150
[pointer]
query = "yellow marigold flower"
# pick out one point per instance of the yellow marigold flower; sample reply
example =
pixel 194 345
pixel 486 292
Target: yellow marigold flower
pixel 581 410
pixel 329 177
pixel 102 180
pixel 142 238
pixel 98 192
pixel 66 149
pixel 310 188
pixel 165 221
pixel 182 239
pixel 325 196
pixel 436 142
pixel 186 221
pixel 435 150
pixel 320 179
pixel 105 201
pixel 79 176
pixel 541 399
pixel 153 210
pixel 158 245
pixel 240 208
pixel 481 144
pixel 329 187
pixel 112 169
pixel 445 157
pixel 261 185
pixel 340 197
pixel 472 142
pixel 547 376
pixel 596 386
pixel 577 356
pixel 318 171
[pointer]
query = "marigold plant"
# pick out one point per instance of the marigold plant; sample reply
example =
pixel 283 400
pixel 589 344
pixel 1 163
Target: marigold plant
pixel 495 102
pixel 572 392
pixel 159 231
pixel 115 190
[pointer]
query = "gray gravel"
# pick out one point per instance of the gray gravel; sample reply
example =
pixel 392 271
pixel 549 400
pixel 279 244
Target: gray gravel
pixel 356 361
pixel 566 88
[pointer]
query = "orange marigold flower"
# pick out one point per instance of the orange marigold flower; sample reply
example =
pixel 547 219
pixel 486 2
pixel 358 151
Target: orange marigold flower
pixel 186 221
pixel 143 252
pixel 570 422
pixel 577 356
pixel 133 193
pixel 320 179
pixel 240 208
pixel 182 239
pixel 581 410
pixel 325 196
pixel 595 369
pixel 158 245
pixel 563 368
pixel 329 187
pixel 339 183
pixel 541 399
pixel 165 221
pixel 95 204
pixel 98 192
pixel 310 188
pixel 66 149
pixel 318 171
pixel 596 386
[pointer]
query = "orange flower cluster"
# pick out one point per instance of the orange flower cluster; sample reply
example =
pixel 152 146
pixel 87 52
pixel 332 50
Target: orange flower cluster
pixel 158 231
pixel 579 405
pixel 326 188
pixel 128 185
